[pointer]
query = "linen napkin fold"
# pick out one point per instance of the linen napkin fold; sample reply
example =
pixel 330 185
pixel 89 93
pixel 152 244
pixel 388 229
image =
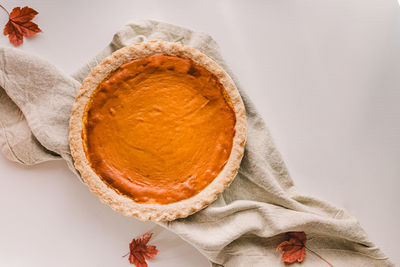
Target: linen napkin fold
pixel 246 223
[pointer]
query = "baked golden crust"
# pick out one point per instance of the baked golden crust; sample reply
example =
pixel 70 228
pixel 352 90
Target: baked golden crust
pixel 121 203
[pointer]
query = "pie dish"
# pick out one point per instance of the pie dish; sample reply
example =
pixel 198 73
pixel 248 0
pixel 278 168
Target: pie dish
pixel 157 130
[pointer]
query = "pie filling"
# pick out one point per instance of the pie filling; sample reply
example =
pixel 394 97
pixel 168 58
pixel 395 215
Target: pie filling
pixel 159 129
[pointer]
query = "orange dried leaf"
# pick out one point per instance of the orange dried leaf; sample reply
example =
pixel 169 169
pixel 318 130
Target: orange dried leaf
pixel 20 25
pixel 139 251
pixel 293 249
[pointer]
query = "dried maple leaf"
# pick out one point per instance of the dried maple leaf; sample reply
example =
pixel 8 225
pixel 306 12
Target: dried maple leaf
pixel 293 249
pixel 139 251
pixel 20 25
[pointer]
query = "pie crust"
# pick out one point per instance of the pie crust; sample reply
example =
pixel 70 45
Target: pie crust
pixel 108 194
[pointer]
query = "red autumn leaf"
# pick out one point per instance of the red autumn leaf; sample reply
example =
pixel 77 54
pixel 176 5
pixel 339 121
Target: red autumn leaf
pixel 20 25
pixel 293 249
pixel 139 251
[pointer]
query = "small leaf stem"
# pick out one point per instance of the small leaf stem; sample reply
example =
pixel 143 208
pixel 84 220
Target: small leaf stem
pixel 2 7
pixel 319 256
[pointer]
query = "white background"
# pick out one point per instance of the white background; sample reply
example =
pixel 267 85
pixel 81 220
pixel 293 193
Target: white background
pixel 324 74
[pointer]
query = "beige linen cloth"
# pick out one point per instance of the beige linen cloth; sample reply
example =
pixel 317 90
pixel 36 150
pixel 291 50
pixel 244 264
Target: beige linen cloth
pixel 247 222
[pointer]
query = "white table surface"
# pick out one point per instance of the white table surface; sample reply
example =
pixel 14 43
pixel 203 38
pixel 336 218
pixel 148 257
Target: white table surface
pixel 324 74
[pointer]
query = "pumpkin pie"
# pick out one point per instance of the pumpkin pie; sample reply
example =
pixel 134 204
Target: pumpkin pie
pixel 157 130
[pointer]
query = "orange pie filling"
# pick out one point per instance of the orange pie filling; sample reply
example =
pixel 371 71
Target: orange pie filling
pixel 159 129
